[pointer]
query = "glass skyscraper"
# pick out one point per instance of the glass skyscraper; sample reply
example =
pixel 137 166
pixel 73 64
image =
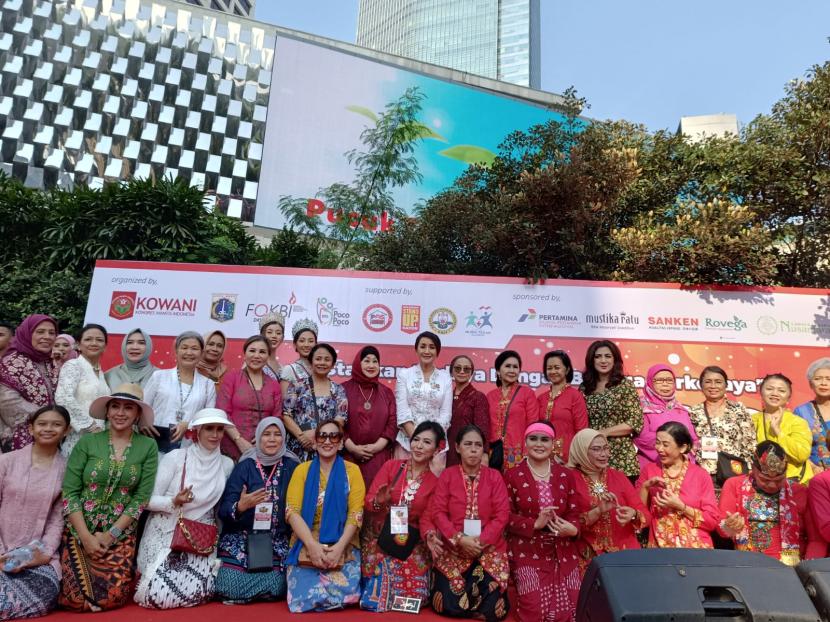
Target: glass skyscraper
pixel 493 38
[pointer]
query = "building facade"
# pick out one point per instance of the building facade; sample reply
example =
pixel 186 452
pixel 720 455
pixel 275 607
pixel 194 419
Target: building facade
pixel 243 8
pixel 100 91
pixel 498 39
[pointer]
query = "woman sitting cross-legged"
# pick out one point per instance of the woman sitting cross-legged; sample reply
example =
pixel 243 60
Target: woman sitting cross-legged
pixel 259 479
pixel 397 563
pixel 325 510
pixel 189 485
pixel 465 524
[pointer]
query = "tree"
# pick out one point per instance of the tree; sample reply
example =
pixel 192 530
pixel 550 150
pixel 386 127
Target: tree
pixel 385 163
pixel 714 243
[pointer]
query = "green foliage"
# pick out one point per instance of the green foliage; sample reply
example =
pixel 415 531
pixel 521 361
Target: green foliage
pixel 54 239
pixel 289 248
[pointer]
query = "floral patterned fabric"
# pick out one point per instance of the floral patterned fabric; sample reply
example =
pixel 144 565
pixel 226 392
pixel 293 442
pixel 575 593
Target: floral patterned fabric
pixel 614 406
pixel 299 405
pixel 103 488
pixel 733 429
pixel 25 386
pixel 774 523
pixel 820 453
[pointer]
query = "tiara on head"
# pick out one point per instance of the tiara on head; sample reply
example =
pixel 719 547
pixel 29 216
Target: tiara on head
pixel 304 324
pixel 272 318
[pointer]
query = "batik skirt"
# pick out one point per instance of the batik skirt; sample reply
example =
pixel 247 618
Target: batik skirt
pixel 29 593
pixel 476 595
pixel 96 584
pixel 235 584
pixel 385 577
pixel 312 589
pixel 548 593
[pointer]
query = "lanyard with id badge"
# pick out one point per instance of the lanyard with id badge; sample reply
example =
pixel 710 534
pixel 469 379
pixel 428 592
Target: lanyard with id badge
pixel 260 546
pixel 472 523
pixel 396 537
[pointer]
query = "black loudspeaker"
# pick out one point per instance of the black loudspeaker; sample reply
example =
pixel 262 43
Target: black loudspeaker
pixel 686 585
pixel 815 575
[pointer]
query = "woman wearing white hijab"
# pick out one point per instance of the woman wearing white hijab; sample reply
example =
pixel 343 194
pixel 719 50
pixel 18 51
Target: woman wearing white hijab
pixel 136 348
pixel 260 477
pixel 190 481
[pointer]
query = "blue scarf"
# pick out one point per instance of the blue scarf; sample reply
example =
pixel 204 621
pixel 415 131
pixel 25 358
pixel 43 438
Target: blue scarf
pixel 335 505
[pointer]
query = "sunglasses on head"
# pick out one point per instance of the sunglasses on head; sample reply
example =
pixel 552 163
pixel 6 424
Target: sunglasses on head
pixel 329 436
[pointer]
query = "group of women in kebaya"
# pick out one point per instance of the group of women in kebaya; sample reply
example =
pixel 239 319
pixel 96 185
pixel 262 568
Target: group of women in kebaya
pixel 172 487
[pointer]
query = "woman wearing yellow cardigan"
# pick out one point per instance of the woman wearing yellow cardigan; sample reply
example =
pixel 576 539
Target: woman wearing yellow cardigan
pixel 776 423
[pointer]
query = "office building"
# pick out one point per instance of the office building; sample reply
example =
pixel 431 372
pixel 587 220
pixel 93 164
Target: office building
pixel 498 39
pixel 243 8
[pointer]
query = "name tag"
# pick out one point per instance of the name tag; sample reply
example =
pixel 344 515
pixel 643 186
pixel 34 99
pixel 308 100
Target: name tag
pixel 399 520
pixel 709 447
pixel 262 516
pixel 472 527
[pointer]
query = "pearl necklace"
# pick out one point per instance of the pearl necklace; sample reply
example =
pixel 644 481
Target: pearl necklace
pixel 539 475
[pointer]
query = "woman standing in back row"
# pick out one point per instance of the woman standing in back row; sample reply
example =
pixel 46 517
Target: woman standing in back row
pixel 613 404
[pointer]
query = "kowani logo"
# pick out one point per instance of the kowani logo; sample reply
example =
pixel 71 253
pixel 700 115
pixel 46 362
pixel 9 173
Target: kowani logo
pixel 122 305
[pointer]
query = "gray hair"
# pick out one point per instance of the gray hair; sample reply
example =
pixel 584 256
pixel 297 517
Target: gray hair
pixel 190 334
pixel 822 363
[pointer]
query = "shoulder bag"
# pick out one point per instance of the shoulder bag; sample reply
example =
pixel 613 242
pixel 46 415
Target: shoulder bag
pixel 387 541
pixel 191 536
pixel 497 447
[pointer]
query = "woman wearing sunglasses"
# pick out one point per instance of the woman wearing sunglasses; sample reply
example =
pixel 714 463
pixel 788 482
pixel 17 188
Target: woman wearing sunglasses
pixel 469 405
pixel 325 511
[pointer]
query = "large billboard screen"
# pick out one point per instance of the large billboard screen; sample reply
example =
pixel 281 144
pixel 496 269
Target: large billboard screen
pixel 322 99
pixel 749 333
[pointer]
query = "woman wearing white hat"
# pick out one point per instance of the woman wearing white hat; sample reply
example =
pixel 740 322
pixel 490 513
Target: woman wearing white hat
pixel 189 484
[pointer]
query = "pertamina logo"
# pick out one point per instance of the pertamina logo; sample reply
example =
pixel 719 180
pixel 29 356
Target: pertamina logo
pixel 330 315
pixel 222 307
pixel 377 318
pixel 410 319
pixel 443 320
pixel 480 323
pixel 530 315
pixel 122 305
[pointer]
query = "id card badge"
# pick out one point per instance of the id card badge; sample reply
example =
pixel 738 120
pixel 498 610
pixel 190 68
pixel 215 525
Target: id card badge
pixel 709 447
pixel 399 520
pixel 262 516
pixel 472 527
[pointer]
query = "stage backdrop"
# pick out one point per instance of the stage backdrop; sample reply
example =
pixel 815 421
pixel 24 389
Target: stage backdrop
pixel 747 332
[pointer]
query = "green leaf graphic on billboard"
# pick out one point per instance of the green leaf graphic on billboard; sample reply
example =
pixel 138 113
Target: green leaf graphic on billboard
pixel 362 110
pixel 427 132
pixel 469 154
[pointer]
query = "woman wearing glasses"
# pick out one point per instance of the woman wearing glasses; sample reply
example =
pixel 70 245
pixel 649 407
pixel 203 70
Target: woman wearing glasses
pixel 469 405
pixel 325 511
pixel 659 406
pixel 617 513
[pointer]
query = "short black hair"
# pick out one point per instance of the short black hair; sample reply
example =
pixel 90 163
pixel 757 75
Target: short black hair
pixel 465 430
pixel 566 361
pixel 89 327
pixel 679 432
pixel 432 337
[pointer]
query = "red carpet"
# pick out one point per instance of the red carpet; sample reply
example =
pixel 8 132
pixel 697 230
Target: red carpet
pixel 217 612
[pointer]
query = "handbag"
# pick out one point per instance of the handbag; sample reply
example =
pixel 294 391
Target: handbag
pixel 729 465
pixel 388 542
pixel 496 460
pixel 191 536
pixel 260 551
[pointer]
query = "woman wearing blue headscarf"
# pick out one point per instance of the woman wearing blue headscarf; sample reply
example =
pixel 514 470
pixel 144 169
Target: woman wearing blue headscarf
pixel 325 510
pixel 260 477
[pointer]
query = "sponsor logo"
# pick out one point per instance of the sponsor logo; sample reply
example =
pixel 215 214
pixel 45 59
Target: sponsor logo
pixel 410 319
pixel 122 305
pixel 768 325
pixel 127 304
pixel 222 307
pixel 257 310
pixel 530 315
pixel 621 320
pixel 673 322
pixel 480 323
pixel 330 315
pixel 377 317
pixel 735 324
pixel 443 320
pixel 549 320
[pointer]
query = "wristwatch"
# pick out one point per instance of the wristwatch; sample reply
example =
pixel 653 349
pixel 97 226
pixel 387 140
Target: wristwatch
pixel 115 532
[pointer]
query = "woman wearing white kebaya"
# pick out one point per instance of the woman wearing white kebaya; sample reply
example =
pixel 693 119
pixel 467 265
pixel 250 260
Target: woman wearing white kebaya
pixel 189 481
pixel 423 393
